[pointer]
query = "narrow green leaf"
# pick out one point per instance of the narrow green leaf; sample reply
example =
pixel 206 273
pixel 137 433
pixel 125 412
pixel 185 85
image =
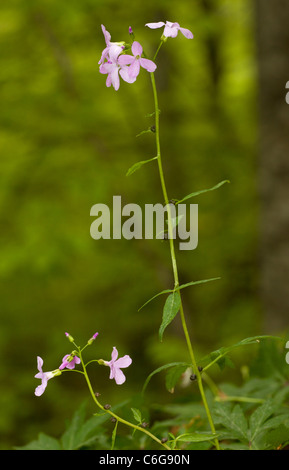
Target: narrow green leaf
pixel 183 286
pixel 170 310
pixel 173 376
pixel 203 191
pixel 217 355
pixel 137 415
pixel 167 291
pixel 144 132
pixel 113 436
pixel 159 369
pixel 196 437
pixel 138 165
pixel 194 283
pixel 176 221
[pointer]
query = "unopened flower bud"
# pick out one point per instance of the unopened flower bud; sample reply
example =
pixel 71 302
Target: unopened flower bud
pixel 90 341
pixel 71 339
pixel 193 377
pixel 107 407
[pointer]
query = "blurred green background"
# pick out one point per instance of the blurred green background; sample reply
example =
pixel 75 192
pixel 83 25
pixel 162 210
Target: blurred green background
pixel 66 143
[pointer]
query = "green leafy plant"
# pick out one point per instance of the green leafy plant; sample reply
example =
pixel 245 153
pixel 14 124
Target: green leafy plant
pixel 253 415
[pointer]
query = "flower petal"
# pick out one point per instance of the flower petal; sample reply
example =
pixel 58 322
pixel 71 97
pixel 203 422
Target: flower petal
pixel 114 52
pixel 187 33
pixel 39 363
pixel 136 49
pixel 119 377
pixel 108 80
pixel 107 36
pixel 148 64
pixel 123 362
pixel 124 73
pixel 40 389
pixel 155 25
pixel 170 31
pixel 134 69
pixel 125 59
pixel 115 79
pixel 114 354
pixel 112 371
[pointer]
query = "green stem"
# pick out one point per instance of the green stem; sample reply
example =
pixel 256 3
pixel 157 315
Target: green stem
pixel 111 413
pixel 173 255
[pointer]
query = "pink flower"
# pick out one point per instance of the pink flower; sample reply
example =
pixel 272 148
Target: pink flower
pixel 69 364
pixel 44 376
pixel 171 29
pixel 113 68
pixel 112 48
pixel 117 364
pixel 135 61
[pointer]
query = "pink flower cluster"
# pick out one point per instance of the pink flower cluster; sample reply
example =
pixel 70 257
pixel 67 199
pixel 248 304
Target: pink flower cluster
pixel 171 29
pixel 114 63
pixel 69 361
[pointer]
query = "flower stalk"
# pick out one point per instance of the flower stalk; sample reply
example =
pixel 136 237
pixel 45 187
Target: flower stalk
pixel 114 415
pixel 173 255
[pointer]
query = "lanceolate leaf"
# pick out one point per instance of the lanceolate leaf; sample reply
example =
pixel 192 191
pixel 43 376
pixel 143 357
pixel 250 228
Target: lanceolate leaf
pixel 173 376
pixel 167 291
pixel 203 191
pixel 217 355
pixel 196 437
pixel 137 415
pixel 138 165
pixel 170 310
pixel 159 369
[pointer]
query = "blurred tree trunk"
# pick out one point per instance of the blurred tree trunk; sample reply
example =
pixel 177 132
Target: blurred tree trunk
pixel 272 18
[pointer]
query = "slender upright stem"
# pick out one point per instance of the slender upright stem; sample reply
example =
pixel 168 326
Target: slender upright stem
pixel 173 256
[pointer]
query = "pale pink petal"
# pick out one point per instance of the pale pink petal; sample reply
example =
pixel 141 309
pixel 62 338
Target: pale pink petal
pixel 124 73
pixel 39 363
pixel 147 64
pixel 134 69
pixel 187 33
pixel 125 59
pixel 170 32
pixel 112 371
pixel 106 34
pixel 123 362
pixel 115 79
pixel 114 354
pixel 108 80
pixel 41 388
pixel 69 365
pixel 114 51
pixel 136 49
pixel 155 25
pixel 119 377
